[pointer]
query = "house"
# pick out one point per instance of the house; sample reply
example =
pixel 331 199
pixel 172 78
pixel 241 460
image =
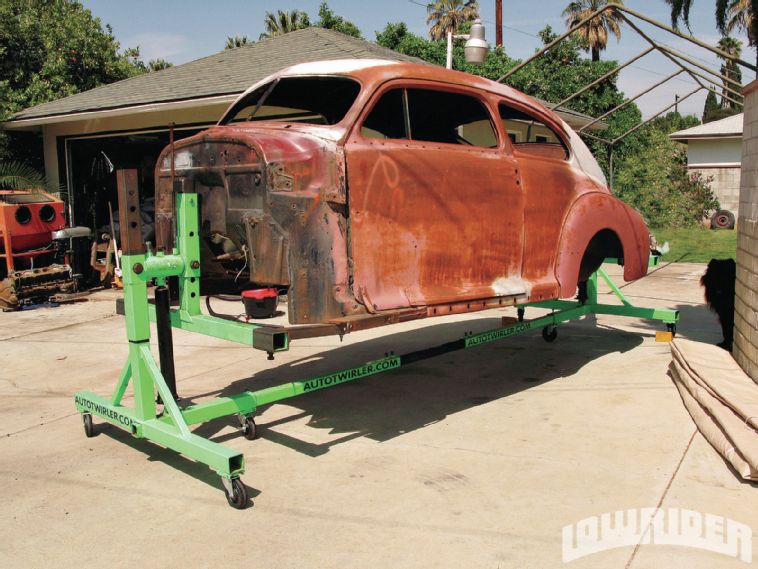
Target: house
pixel 714 150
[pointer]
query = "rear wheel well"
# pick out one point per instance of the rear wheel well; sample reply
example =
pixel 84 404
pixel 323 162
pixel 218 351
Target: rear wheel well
pixel 603 245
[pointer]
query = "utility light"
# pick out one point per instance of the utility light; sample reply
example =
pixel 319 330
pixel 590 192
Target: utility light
pixel 476 47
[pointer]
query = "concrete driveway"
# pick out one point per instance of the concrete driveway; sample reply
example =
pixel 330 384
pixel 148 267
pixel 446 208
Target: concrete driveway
pixel 476 458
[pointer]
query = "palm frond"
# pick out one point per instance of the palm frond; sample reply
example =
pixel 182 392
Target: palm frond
pixel 594 33
pixel 19 176
pixel 448 15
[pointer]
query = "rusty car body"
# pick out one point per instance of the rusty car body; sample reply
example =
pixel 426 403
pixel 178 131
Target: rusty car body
pixel 377 191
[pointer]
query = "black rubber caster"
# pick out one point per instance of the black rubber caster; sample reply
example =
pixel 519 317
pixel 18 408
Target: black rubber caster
pixel 520 312
pixel 250 429
pixel 671 328
pixel 550 333
pixel 89 426
pixel 238 497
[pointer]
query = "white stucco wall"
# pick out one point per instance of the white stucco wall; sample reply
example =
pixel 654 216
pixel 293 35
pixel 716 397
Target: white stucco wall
pixel 713 151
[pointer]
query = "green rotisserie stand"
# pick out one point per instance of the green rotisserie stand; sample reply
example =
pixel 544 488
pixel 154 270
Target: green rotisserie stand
pixel 170 426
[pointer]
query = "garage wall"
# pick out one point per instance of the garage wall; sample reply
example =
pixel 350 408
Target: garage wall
pixel 746 301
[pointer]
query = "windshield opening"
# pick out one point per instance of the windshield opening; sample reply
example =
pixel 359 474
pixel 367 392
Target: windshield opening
pixel 312 100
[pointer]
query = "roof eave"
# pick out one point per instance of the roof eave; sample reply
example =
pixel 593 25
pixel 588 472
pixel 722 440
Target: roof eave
pixel 21 123
pixel 685 137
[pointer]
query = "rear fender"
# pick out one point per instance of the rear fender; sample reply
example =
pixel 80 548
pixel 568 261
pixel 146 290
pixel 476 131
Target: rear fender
pixel 590 215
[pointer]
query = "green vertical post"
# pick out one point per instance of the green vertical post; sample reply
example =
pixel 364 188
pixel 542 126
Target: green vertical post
pixel 135 298
pixel 187 225
pixel 142 382
pixel 138 333
pixel 592 289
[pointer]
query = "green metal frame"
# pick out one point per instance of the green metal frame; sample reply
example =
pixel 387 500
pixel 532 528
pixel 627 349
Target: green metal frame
pixel 170 427
pixel 592 306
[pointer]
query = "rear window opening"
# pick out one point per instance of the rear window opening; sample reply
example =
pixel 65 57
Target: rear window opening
pixel 531 135
pixel 312 100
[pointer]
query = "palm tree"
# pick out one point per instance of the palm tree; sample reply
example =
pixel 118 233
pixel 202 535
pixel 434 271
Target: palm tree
pixel 594 34
pixel 731 15
pixel 738 15
pixel 158 64
pixel 732 47
pixel 448 15
pixel 236 41
pixel 284 22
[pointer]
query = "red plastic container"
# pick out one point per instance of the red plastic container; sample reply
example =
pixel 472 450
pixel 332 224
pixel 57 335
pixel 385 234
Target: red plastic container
pixel 260 303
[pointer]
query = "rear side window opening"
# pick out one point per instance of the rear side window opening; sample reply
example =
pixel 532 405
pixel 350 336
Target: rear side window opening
pixel 311 100
pixel 530 135
pixel 431 116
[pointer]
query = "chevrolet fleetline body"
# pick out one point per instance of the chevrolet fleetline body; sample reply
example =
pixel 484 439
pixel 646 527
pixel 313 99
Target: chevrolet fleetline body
pixel 377 192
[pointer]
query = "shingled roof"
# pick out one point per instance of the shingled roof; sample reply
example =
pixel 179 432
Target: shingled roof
pixel 221 77
pixel 229 72
pixel 730 127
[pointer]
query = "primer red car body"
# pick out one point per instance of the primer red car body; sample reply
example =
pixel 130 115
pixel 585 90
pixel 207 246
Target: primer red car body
pixel 379 191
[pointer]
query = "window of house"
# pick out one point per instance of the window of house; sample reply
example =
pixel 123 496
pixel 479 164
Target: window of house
pixel 531 135
pixel 431 116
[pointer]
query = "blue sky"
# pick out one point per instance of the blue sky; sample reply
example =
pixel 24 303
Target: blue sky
pixel 183 30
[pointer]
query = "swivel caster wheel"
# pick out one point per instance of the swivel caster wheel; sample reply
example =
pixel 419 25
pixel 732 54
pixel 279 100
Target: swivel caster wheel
pixel 250 429
pixel 550 333
pixel 671 328
pixel 236 493
pixel 520 313
pixel 89 426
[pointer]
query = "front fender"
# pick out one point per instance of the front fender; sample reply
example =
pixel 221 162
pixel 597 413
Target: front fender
pixel 589 214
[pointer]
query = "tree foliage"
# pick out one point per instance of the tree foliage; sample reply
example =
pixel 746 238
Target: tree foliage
pixel 733 47
pixel 734 15
pixel 593 36
pixel 449 15
pixel 19 176
pixel 158 64
pixel 731 15
pixel 656 181
pixel 711 107
pixel 236 41
pixel 52 49
pixel 282 22
pixel 329 20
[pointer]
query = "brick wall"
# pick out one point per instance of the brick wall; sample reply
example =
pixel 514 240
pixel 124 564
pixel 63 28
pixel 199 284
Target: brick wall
pixel 746 302
pixel 725 183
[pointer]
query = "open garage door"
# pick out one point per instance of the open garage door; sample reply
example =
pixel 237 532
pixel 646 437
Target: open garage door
pixel 91 174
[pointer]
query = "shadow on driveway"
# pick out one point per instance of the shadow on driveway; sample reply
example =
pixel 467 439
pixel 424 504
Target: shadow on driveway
pixel 390 404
